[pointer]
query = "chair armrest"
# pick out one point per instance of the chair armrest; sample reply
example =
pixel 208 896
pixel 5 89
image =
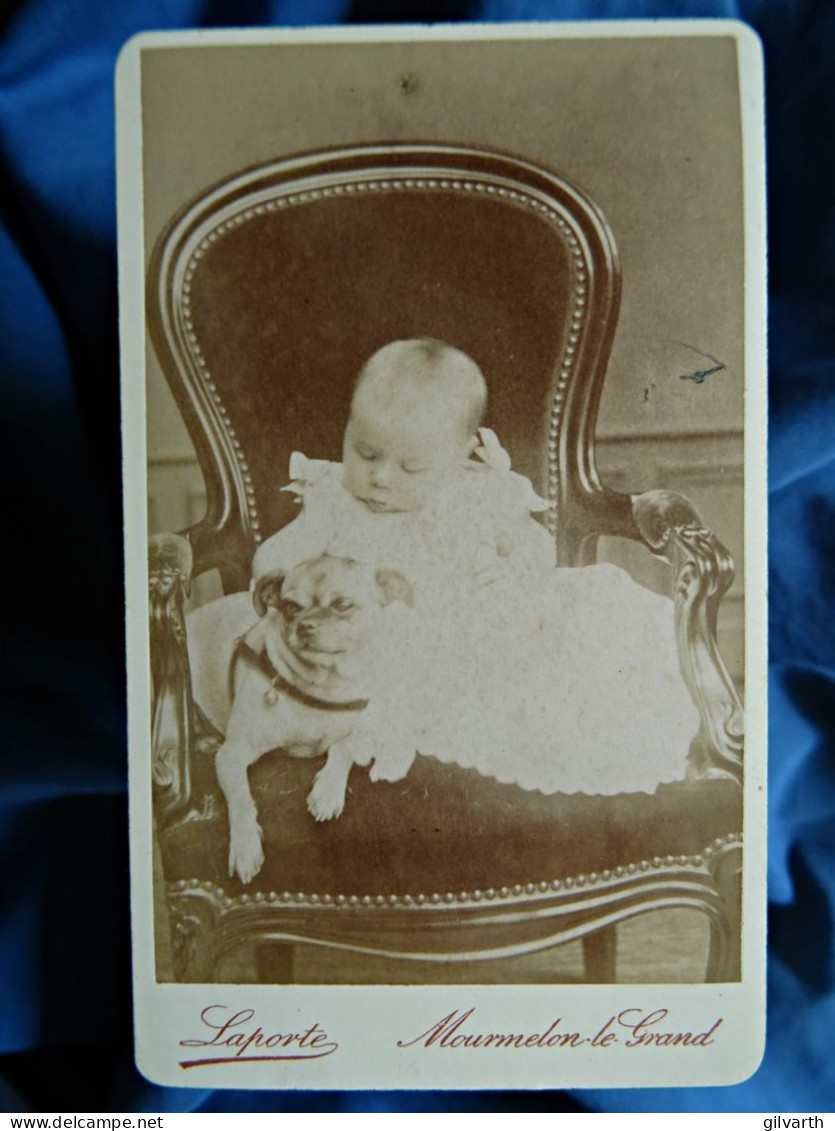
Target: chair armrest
pixel 179 730
pixel 671 527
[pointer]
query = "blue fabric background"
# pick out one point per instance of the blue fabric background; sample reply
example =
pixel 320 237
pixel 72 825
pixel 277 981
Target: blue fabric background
pixel 65 1033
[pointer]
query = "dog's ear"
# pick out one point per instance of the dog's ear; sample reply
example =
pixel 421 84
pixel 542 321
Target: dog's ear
pixel 393 586
pixel 267 591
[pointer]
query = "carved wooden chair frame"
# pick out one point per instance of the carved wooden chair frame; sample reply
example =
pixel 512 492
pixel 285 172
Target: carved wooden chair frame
pixel 441 926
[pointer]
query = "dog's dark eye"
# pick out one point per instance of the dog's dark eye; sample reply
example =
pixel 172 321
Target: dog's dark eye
pixel 290 609
pixel 342 605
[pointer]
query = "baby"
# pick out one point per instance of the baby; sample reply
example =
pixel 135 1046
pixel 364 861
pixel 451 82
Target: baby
pixel 407 491
pixel 560 680
pixel 414 416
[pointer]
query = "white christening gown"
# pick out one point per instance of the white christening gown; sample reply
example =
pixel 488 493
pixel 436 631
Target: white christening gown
pixel 557 679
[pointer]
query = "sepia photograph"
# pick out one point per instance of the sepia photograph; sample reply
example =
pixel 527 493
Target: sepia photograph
pixel 445 388
pixel 445 496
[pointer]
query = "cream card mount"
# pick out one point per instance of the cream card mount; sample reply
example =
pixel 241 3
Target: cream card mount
pixel 438 770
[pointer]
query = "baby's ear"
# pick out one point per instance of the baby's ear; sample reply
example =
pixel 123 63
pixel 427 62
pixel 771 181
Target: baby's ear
pixel 267 591
pixel 393 586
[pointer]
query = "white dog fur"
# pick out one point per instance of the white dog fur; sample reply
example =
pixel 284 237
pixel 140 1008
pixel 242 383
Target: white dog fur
pixel 332 630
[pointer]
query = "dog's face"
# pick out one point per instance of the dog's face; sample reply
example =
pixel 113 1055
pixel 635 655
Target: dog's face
pixel 329 606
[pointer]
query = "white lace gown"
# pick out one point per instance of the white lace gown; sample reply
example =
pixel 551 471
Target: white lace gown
pixel 562 680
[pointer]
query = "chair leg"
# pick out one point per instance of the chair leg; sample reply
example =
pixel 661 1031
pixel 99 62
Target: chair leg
pixel 600 955
pixel 724 957
pixel 192 941
pixel 274 963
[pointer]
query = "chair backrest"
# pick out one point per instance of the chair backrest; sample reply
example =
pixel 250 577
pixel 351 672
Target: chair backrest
pixel 268 292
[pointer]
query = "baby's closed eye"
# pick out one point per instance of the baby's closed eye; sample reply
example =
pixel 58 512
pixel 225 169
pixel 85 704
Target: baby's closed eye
pixel 367 454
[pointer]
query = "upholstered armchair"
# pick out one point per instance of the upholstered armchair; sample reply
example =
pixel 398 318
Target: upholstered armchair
pixel 265 295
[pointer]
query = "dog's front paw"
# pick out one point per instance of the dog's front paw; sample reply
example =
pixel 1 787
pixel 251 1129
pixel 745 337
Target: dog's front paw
pixel 246 853
pixel 326 799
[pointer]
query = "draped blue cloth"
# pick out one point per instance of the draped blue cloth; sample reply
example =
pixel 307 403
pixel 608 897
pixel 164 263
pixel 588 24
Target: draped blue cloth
pixel 65 1038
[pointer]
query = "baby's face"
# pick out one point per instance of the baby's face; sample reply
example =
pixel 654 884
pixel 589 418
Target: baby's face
pixel 397 462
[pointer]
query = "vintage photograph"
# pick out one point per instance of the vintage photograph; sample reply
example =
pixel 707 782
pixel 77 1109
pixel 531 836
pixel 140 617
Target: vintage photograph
pixel 445 379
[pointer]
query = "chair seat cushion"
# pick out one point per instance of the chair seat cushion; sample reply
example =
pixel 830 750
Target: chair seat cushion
pixel 441 829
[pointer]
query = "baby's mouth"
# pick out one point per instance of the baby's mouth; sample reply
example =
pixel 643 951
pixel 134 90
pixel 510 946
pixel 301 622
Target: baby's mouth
pixel 380 507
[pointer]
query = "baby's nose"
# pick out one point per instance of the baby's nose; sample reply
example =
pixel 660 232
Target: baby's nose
pixel 381 474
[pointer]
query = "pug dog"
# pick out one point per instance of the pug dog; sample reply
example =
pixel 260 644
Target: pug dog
pixel 301 680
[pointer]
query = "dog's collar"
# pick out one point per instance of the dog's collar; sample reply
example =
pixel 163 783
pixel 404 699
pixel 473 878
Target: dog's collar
pixel 261 660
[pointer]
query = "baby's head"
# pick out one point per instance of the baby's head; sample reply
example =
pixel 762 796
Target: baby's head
pixel 414 415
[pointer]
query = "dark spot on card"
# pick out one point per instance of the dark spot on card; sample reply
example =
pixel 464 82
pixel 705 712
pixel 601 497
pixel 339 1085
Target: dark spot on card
pixel 698 376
